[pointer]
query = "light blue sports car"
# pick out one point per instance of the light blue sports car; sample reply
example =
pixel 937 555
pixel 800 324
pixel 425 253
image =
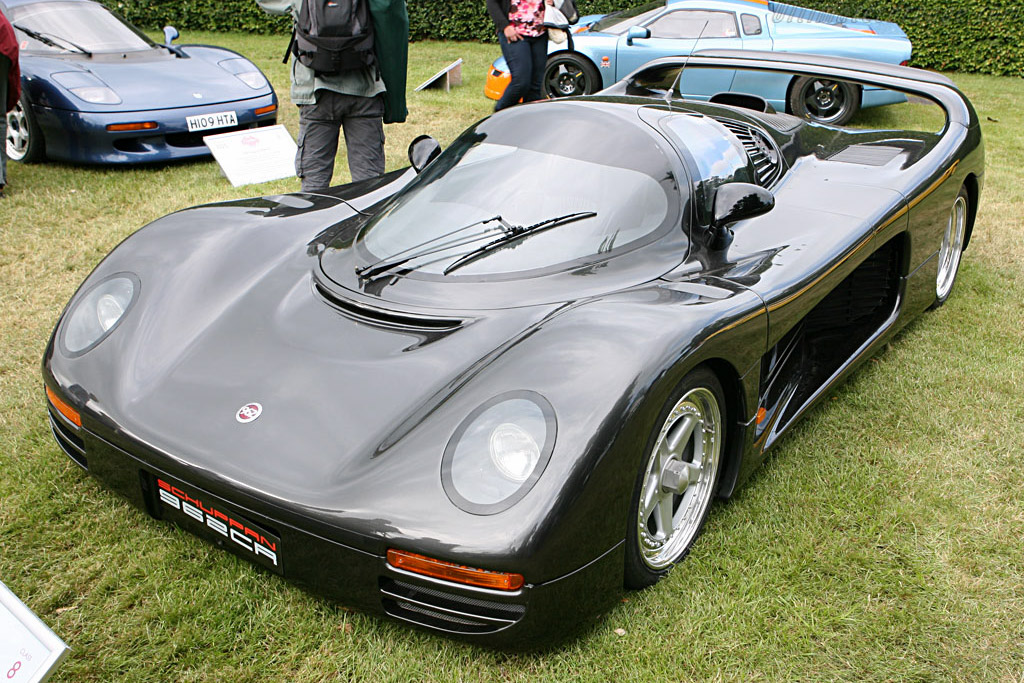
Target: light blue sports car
pixel 603 49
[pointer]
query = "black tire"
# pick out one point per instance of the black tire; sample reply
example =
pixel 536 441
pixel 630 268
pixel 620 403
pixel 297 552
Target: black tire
pixel 569 74
pixel 24 138
pixel 677 480
pixel 952 246
pixel 823 100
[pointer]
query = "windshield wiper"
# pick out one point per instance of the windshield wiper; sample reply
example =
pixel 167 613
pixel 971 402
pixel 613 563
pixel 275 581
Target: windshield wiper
pixel 513 233
pixel 49 39
pixel 431 246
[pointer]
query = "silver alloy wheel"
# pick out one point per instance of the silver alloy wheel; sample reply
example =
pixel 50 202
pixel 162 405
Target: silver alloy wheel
pixel 952 247
pixel 679 481
pixel 17 133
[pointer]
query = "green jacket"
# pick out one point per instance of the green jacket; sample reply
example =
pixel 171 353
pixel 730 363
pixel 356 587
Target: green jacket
pixel 391 40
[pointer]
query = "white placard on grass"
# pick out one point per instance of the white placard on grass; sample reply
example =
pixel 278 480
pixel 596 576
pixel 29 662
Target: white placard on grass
pixel 29 650
pixel 257 155
pixel 444 79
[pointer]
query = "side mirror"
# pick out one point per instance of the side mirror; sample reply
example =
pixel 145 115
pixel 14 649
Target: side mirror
pixel 636 32
pixel 422 151
pixel 170 34
pixel 735 202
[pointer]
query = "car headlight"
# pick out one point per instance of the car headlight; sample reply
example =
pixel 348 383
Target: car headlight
pixel 95 315
pixel 245 71
pixel 86 86
pixel 97 95
pixel 498 452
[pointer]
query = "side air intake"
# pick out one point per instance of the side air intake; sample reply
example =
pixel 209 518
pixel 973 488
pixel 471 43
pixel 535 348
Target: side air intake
pixel 760 150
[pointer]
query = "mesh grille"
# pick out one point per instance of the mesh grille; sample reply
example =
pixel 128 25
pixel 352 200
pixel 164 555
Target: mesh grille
pixel 445 610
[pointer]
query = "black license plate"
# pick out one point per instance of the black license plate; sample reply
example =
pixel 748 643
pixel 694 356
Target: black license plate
pixel 214 519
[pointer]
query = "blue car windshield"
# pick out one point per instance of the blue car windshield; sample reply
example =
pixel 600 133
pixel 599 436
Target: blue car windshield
pixel 527 165
pixel 618 23
pixel 89 25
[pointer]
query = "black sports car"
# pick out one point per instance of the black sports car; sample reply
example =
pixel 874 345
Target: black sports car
pixel 484 393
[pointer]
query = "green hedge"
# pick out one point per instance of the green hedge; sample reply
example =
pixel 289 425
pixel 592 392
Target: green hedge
pixel 983 36
pixel 200 15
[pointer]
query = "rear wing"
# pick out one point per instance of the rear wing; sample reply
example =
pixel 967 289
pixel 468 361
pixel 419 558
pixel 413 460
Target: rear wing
pixel 927 84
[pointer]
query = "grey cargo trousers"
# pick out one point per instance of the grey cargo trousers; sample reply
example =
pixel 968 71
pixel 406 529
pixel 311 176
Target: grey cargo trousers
pixel 361 118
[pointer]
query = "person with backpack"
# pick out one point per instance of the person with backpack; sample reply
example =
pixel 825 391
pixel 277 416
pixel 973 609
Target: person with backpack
pixel 336 83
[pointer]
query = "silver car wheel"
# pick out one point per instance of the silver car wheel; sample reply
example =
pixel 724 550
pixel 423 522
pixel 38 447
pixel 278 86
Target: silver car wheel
pixel 18 139
pixel 952 247
pixel 679 480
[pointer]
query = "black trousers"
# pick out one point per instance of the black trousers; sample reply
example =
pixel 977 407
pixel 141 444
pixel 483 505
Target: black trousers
pixel 361 119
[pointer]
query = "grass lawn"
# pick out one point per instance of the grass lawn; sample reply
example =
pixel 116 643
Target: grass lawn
pixel 882 540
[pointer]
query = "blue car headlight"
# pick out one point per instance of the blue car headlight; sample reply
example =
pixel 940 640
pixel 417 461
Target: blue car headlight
pixel 245 71
pixel 87 87
pixel 97 313
pixel 498 452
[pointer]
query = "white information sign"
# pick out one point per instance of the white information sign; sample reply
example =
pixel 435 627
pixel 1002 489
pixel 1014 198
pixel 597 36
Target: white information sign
pixel 29 651
pixel 252 156
pixel 445 78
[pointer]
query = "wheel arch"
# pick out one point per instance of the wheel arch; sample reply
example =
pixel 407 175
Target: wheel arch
pixel 735 411
pixel 973 194
pixel 735 408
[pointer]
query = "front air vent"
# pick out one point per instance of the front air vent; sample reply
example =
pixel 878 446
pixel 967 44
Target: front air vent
pixel 381 316
pixel 69 442
pixel 447 611
pixel 760 149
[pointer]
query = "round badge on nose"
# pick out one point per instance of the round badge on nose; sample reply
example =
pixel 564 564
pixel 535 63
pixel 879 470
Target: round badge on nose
pixel 249 412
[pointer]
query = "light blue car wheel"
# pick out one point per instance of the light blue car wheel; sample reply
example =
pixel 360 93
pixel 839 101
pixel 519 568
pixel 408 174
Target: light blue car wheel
pixel 568 74
pixel 824 101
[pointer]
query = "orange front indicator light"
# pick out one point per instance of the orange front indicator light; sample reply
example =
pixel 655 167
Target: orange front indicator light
pixel 266 110
pixel 449 571
pixel 761 414
pixel 121 127
pixel 63 408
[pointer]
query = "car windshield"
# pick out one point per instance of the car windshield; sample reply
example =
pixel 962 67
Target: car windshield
pixel 89 25
pixel 528 165
pixel 618 23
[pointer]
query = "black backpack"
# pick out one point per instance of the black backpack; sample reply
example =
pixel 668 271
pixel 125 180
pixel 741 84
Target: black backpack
pixel 332 36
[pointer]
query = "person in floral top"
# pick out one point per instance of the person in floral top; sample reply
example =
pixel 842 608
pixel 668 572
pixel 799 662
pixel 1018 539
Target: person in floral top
pixel 524 44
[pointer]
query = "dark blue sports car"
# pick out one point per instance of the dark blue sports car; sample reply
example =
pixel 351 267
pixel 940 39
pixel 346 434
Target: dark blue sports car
pixel 98 90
